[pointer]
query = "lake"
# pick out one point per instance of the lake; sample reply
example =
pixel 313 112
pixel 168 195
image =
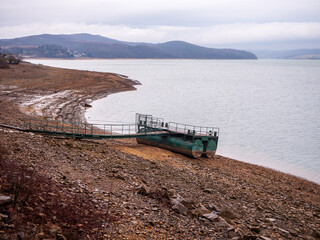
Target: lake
pixel 268 111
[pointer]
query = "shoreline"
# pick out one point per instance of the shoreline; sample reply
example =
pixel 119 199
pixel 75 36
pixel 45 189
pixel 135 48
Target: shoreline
pixel 70 105
pixel 153 190
pixel 70 101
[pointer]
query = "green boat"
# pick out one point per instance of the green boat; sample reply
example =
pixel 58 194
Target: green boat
pixel 194 141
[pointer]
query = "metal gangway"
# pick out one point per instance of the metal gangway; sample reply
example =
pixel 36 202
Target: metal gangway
pixel 145 125
pixel 84 130
pixel 190 140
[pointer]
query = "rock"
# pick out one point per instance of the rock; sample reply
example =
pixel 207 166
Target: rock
pixel 3 216
pixel 114 170
pixel 120 177
pixel 188 203
pixel 213 207
pixel 172 193
pixel 144 190
pixel 8 225
pixel 21 235
pixel 60 237
pixel 175 201
pixel 179 208
pixel 271 219
pixel 226 213
pixel 5 200
pixel 41 199
pixel 200 210
pixel 39 236
pixel 255 229
pixel 249 237
pixel 265 238
pixel 208 190
pixel 213 216
pixel 315 234
pixel 54 229
pixel 283 230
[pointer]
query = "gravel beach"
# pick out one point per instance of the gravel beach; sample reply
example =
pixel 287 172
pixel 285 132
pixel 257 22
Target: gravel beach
pixel 59 188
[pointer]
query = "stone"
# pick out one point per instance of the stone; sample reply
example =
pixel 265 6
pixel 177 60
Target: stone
pixel 172 193
pixel 54 229
pixel 213 216
pixel 3 216
pixel 315 234
pixel 175 201
pixel 271 219
pixel 213 207
pixel 41 199
pixel 249 237
pixel 5 200
pixel 21 235
pixel 200 210
pixel 188 203
pixel 8 225
pixel 39 236
pixel 118 176
pixel 60 237
pixel 208 190
pixel 283 230
pixel 144 190
pixel 265 238
pixel 179 208
pixel 255 229
pixel 226 213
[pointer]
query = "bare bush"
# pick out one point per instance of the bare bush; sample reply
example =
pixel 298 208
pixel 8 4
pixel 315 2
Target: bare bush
pixel 3 63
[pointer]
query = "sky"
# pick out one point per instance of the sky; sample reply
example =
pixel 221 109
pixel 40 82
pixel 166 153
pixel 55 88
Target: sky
pixel 244 24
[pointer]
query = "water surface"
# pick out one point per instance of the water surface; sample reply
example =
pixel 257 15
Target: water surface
pixel 268 111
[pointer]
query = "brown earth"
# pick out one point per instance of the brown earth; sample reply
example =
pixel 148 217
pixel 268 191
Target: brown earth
pixel 69 189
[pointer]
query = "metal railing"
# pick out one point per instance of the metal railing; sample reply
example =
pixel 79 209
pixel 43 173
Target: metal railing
pixel 144 124
pixel 193 130
pixel 78 128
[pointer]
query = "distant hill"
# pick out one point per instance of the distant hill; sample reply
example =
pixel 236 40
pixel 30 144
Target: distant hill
pixel 95 46
pixel 289 54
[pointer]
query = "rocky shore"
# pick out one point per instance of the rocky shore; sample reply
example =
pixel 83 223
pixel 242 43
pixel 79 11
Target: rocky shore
pixel 57 188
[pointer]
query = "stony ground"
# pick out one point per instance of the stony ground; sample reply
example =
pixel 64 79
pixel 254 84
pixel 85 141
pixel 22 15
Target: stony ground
pixel 57 188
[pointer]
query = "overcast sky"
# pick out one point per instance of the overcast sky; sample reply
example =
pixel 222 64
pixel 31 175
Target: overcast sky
pixel 247 24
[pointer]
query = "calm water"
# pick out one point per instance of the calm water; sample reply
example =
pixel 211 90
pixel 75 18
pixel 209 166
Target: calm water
pixel 268 111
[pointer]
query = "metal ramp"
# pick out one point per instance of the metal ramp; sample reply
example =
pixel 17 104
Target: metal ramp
pixel 82 130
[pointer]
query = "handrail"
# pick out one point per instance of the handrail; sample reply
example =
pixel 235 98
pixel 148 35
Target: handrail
pixel 144 124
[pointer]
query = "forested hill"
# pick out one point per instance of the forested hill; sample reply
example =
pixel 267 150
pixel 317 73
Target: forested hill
pixel 95 46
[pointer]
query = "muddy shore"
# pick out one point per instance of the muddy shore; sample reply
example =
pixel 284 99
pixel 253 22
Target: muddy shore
pixel 122 190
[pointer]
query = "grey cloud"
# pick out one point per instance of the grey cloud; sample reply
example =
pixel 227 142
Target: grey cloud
pixel 207 22
pixel 156 12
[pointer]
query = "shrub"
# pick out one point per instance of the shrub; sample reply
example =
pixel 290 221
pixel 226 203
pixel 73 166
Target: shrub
pixel 3 63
